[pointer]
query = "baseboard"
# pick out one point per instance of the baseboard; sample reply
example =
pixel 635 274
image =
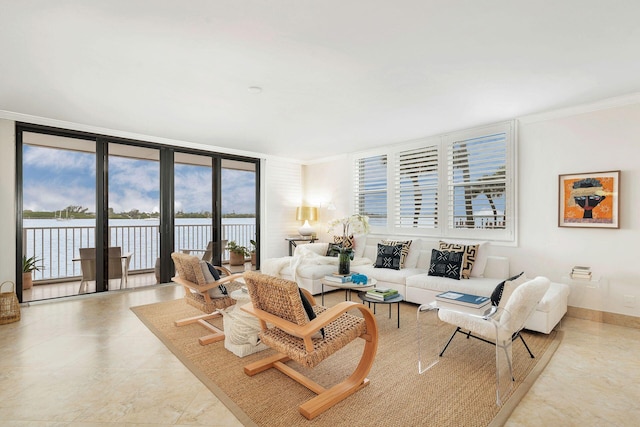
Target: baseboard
pixel 604 317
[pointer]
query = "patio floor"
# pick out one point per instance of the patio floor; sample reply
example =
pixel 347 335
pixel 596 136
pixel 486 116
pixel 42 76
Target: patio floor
pixel 44 291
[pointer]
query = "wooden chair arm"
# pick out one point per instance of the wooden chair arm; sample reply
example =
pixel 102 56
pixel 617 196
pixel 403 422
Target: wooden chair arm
pixel 224 270
pixel 310 328
pixel 202 288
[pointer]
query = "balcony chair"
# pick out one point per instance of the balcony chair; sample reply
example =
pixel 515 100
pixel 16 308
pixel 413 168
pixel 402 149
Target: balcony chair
pixel 118 266
pixel 207 254
pixel 197 289
pixel 280 307
pixel 500 328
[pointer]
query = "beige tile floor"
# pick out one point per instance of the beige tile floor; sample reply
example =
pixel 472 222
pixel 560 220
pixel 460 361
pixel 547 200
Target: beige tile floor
pixel 89 361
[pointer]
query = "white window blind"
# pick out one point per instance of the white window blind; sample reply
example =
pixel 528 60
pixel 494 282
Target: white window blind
pixel 416 188
pixel 371 188
pixel 477 182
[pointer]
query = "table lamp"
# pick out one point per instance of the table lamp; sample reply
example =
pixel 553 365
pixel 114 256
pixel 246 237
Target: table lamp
pixel 306 214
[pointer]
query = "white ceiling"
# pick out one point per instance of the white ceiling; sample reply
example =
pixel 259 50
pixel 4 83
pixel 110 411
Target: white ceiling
pixel 337 76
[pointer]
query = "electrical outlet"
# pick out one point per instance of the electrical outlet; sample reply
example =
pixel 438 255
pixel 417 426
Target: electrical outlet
pixel 629 300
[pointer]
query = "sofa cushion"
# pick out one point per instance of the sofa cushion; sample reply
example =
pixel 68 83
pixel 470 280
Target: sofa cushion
pixel 475 286
pixel 469 253
pixel 310 271
pixel 387 275
pixel 389 256
pixel 557 292
pixel 359 242
pixel 445 264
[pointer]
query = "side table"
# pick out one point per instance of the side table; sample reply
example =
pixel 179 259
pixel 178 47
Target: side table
pixel 348 287
pixel 395 300
pixel 293 242
pixel 240 328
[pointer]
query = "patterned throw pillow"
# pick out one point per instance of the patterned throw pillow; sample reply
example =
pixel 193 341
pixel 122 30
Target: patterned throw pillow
pixel 405 248
pixel 334 250
pixel 469 252
pixel 347 242
pixel 218 291
pixel 388 256
pixel 445 264
pixel 496 295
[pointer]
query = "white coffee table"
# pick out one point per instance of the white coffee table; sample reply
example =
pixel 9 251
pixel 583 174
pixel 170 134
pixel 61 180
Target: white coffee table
pixel 348 287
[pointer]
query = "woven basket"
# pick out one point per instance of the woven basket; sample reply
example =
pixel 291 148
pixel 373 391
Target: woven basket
pixel 9 305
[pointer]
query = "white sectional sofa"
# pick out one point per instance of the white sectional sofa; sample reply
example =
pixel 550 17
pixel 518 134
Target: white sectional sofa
pixel 308 266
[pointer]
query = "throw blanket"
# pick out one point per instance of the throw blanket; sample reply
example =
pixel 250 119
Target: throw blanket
pixel 304 256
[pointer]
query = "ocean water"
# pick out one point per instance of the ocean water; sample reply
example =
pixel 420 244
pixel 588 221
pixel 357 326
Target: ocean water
pixel 56 242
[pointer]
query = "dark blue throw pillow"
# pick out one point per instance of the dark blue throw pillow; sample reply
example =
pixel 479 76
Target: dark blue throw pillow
pixel 216 275
pixel 214 271
pixel 308 308
pixel 334 250
pixel 446 264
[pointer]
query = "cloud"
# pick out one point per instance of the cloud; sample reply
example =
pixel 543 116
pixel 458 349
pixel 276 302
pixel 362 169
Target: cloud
pixel 55 179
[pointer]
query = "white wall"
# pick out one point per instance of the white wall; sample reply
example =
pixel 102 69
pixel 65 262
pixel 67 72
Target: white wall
pixel 282 194
pixel 597 141
pixel 7 202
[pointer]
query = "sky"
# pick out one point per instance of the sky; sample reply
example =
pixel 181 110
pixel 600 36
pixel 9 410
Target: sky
pixel 54 179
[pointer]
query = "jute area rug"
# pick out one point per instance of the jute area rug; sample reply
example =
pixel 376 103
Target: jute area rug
pixel 457 391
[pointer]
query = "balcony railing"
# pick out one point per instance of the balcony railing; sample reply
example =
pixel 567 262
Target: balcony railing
pixel 57 247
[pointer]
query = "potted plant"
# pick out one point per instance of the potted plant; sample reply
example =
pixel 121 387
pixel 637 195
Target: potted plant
pixel 29 265
pixel 237 253
pixel 253 252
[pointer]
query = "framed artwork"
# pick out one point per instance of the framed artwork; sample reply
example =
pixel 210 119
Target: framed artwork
pixel 589 200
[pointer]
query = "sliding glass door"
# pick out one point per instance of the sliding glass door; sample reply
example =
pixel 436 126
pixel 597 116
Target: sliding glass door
pixel 133 216
pixel 58 214
pixel 97 213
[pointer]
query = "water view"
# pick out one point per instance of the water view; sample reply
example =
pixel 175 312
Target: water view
pixel 56 242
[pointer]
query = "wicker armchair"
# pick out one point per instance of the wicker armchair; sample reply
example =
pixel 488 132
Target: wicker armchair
pixel 190 276
pixel 286 328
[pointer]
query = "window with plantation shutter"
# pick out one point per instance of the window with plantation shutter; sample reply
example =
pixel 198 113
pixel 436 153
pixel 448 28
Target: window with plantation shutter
pixel 416 188
pixel 477 182
pixel 458 185
pixel 371 189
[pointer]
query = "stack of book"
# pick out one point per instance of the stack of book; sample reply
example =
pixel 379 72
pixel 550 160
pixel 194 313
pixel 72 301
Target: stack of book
pixel 338 278
pixel 382 294
pixel 463 302
pixel 580 272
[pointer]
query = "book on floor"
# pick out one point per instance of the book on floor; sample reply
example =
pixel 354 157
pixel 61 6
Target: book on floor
pixel 467 300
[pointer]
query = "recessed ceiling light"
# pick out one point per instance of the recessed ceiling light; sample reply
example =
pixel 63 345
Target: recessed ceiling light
pixel 255 89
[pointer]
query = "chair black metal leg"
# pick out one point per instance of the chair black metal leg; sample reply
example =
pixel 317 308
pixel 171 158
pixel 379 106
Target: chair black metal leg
pixel 526 346
pixel 450 339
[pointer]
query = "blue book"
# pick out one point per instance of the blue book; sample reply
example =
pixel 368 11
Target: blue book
pixel 467 300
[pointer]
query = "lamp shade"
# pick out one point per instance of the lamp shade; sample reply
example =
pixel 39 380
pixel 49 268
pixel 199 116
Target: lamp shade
pixel 304 213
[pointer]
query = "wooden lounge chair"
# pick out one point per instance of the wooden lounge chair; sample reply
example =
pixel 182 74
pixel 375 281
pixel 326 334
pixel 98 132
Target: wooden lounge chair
pixel 191 277
pixel 277 303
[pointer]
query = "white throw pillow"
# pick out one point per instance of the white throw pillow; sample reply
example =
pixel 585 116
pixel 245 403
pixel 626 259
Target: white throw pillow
pixel 509 287
pixel 208 277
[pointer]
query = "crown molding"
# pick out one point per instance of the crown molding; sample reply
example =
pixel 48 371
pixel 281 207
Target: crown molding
pixel 614 102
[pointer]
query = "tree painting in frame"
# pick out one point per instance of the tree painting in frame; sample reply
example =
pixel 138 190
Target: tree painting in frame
pixel 589 200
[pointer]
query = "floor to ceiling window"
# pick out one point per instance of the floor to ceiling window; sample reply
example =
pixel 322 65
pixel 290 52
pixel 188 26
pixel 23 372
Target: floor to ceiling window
pixel 133 215
pixel 58 213
pixel 100 213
